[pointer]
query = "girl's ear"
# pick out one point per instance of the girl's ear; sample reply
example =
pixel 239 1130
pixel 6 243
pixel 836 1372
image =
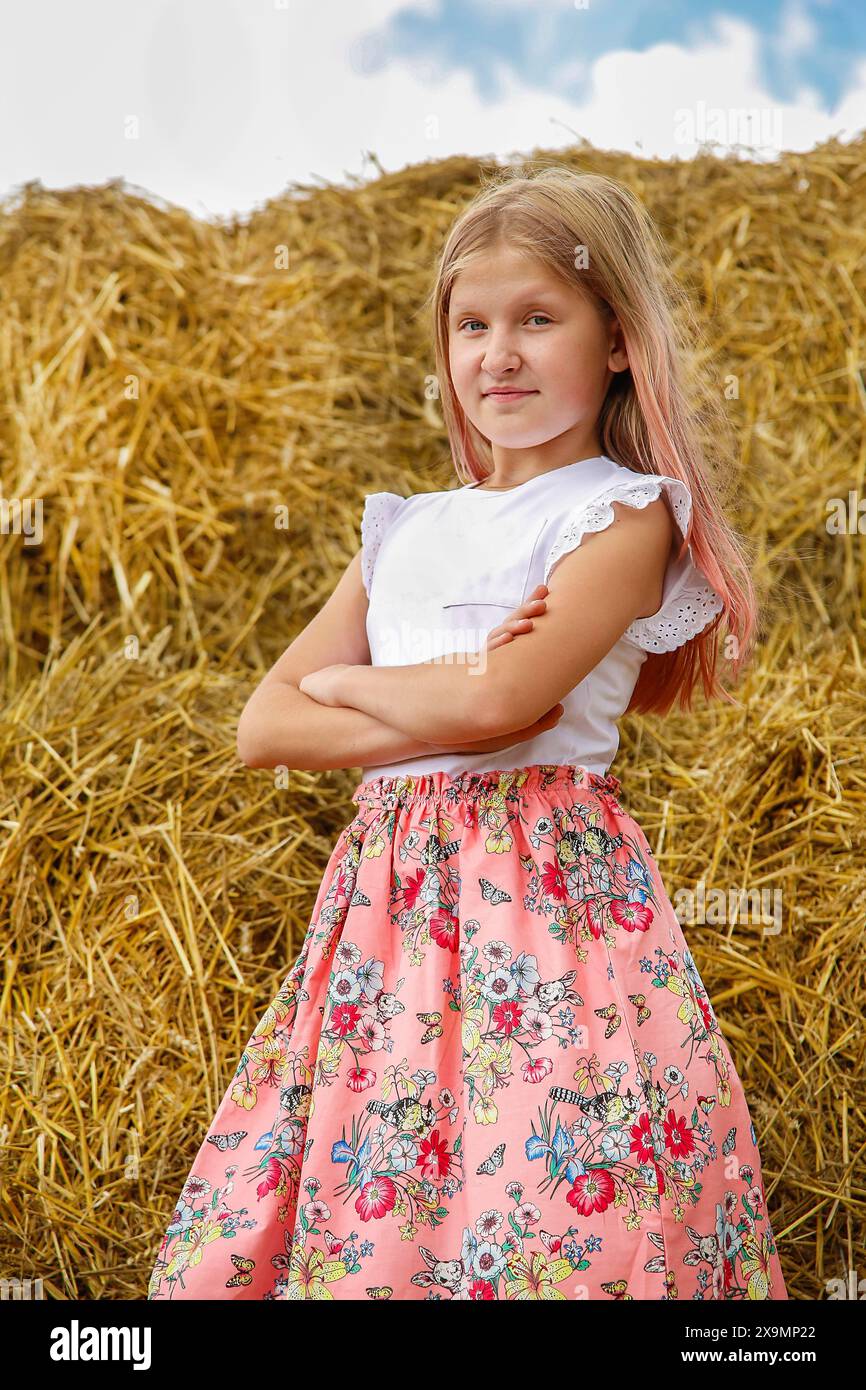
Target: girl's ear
pixel 617 359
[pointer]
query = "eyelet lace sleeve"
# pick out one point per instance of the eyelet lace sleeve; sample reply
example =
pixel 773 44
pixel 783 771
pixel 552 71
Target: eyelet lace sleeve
pixel 379 510
pixel 689 602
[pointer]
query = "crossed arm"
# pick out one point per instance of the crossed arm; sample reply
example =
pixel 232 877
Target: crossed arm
pixel 595 592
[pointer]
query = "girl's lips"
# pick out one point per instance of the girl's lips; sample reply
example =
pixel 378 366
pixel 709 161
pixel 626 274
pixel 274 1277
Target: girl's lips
pixel 508 395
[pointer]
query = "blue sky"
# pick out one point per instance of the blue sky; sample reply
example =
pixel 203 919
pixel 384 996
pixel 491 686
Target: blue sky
pixel 218 104
pixel 540 40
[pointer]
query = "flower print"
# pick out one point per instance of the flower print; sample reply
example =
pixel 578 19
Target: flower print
pixel 553 882
pixel 403 1154
pixel 639 879
pixel 371 1032
pixel 499 841
pixel 534 1277
pixel 499 984
pixel 591 1191
pixel 376 1198
pixel 485 1111
pixel 316 1212
pixel 507 1016
pixel 480 1291
pixel 537 1024
pixel 344 1019
pixel 310 1274
pixel 756 1265
pixel 632 916
pixel 727 1234
pixel 673 1076
pixel 371 977
pixel 600 876
pixel 525 972
pixel 615 1145
pixel 272 1179
pixel 195 1188
pixel 489 1260
pixel 527 1214
pixel 443 930
pixel 536 1069
pixel 543 826
pixel 488 1223
pixel 411 888
pixel 434 1158
pixel 642 1138
pixel 497 952
pixel 678 1136
pixel 360 1079
pixel 344 987
pixel 347 954
pixel 591 912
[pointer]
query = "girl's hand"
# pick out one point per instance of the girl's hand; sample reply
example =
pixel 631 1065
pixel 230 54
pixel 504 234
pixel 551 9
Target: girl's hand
pixel 519 622
pixel 321 685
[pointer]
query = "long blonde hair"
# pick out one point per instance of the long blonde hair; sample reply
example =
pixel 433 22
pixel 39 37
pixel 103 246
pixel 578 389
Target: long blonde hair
pixel 646 421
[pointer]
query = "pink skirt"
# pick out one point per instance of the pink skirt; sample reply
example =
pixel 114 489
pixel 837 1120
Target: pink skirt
pixel 493 1072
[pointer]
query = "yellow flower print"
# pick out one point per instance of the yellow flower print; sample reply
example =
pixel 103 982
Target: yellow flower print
pixel 499 841
pixel 245 1094
pixel 756 1264
pixel 471 1031
pixel 310 1273
pixel 485 1111
pixel 374 848
pixel 329 1058
pixel 189 1251
pixel 535 1279
pixel 678 986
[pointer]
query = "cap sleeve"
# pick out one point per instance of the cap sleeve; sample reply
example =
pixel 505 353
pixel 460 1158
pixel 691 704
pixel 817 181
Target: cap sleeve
pixel 689 601
pixel 380 508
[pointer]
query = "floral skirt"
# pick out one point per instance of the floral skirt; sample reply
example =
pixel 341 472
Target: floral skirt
pixel 493 1072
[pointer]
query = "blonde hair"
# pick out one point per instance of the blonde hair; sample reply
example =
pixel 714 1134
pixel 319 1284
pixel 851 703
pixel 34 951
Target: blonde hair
pixel 646 421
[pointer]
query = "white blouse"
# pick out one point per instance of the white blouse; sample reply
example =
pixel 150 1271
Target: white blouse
pixel 443 568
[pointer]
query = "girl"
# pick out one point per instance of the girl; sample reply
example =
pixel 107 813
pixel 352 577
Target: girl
pixel 493 1072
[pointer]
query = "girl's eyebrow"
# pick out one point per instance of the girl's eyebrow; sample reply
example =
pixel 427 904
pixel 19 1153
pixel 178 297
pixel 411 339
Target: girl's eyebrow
pixel 530 297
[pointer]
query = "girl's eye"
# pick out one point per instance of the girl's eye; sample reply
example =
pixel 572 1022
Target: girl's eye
pixel 469 322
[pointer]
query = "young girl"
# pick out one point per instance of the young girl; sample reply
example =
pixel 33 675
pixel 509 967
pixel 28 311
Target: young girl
pixel 493 1072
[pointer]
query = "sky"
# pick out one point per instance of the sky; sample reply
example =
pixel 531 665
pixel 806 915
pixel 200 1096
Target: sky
pixel 217 105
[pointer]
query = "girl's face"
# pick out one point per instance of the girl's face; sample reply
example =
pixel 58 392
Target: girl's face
pixel 512 323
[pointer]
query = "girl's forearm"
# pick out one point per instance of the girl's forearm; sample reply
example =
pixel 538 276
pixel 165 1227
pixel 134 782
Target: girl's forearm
pixel 440 701
pixel 281 726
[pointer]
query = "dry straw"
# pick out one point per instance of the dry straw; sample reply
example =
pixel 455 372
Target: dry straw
pixel 168 387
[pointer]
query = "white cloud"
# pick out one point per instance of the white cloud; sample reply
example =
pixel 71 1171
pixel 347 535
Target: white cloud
pixel 237 97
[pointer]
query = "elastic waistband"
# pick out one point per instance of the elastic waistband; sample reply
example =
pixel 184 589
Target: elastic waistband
pixel 389 792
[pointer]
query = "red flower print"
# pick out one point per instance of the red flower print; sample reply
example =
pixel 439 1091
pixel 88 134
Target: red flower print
pixel 481 1290
pixel 507 1016
pixel 443 929
pixel 591 1191
pixel 273 1173
pixel 376 1198
pixel 706 1014
pixel 344 1018
pixel 641 1139
pixel 678 1136
pixel 592 911
pixel 660 1179
pixel 434 1158
pixel 632 916
pixel 360 1078
pixel 553 882
pixel 537 1069
pixel 412 887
